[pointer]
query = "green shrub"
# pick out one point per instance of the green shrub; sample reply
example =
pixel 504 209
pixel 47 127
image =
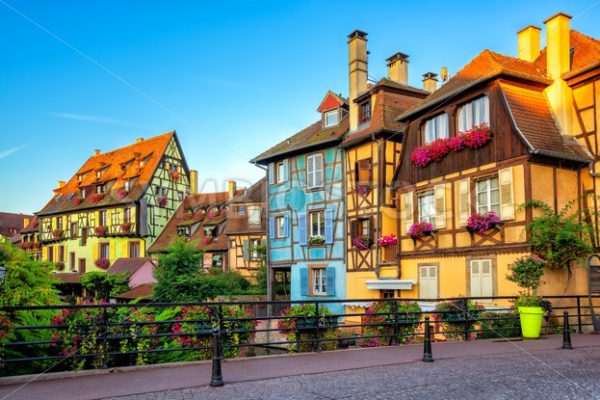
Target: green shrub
pixel 382 316
pixel 299 327
pixel 499 325
pixel 454 316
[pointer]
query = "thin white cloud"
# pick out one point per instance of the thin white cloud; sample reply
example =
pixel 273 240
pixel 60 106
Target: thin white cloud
pixel 94 118
pixel 6 153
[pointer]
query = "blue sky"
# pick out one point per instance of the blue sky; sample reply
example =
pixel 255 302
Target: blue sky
pixel 232 78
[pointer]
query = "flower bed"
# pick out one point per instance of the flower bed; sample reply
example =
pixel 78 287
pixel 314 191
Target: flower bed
pixel 420 229
pixel 388 240
pixel 299 327
pixel 482 222
pixel 361 242
pixel 439 148
pixel 380 319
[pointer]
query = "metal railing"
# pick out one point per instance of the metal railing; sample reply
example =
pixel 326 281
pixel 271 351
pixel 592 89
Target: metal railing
pixel 84 336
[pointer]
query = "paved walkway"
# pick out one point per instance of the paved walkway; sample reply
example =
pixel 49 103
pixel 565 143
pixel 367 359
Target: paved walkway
pixel 477 369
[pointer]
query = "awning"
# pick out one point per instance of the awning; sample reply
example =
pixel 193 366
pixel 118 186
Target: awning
pixel 390 284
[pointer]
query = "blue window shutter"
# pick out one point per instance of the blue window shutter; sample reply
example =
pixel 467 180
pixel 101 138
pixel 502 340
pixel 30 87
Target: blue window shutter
pixel 329 226
pixel 330 281
pixel 271 173
pixel 286 170
pixel 304 281
pixel 286 225
pixel 272 227
pixel 302 229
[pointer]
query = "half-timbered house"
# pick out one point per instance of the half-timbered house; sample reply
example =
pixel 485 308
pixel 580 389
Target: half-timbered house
pixel 372 152
pixel 115 205
pixel 500 132
pixel 305 207
pixel 30 239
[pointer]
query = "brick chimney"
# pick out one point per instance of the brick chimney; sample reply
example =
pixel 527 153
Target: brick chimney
pixel 358 67
pixel 430 81
pixel 529 43
pixel 97 152
pixel 398 68
pixel 558 61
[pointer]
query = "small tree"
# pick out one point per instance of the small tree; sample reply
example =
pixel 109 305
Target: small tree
pixel 527 273
pixel 103 285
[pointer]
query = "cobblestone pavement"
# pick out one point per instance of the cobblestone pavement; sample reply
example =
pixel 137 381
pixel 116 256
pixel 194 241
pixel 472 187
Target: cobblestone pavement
pixel 548 375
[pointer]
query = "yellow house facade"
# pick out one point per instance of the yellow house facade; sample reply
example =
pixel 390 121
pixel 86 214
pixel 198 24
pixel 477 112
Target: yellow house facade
pixel 516 129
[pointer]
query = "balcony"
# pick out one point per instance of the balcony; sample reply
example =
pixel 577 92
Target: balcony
pixel 389 255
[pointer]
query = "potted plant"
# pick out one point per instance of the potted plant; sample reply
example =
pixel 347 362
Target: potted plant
pixel 362 242
pixel 57 233
pixel 101 230
pixel 482 222
pixel 126 227
pixel 527 273
pixel 420 229
pixel 316 240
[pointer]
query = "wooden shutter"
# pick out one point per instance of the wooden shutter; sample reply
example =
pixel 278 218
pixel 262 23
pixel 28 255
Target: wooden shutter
pixel 371 230
pixel 464 200
pixel 353 229
pixel 304 283
pixel 408 211
pixel 329 226
pixel 507 202
pixel 440 205
pixel 272 227
pixel 271 173
pixel 302 229
pixel 330 275
pixel 286 169
pixel 246 250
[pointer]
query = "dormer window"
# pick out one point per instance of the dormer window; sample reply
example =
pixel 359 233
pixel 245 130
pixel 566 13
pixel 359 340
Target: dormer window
pixel 82 194
pixel 473 113
pixel 80 178
pixel 127 185
pixel 183 231
pixel 101 188
pixel 435 128
pixel 364 112
pixel 331 118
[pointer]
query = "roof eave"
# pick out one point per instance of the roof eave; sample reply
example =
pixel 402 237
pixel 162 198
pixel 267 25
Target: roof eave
pixel 265 160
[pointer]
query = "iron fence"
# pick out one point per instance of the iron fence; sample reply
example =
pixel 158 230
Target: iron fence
pixel 84 336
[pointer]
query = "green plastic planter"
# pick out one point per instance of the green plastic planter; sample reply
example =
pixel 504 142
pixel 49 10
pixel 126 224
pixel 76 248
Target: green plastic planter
pixel 531 321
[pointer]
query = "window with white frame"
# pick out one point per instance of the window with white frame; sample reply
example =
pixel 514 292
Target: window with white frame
pixel 488 195
pixel 254 215
pixel 481 278
pixel 104 251
pixel 317 223
pixel 474 113
pixel 280 226
pixel 314 170
pixel 427 207
pixel 428 282
pixel 435 128
pixel 330 118
pixel 255 245
pixel 280 175
pixel 319 281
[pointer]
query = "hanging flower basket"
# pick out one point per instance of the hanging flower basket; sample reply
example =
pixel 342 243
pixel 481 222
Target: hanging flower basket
pixel 96 197
pixel 439 148
pixel 363 189
pixel 101 230
pixel 362 243
pixel 122 194
pixel 102 263
pixel 388 240
pixel 59 265
pixel 57 233
pixel 162 201
pixel 175 175
pixel 420 229
pixel 126 227
pixel 482 222
pixel 316 240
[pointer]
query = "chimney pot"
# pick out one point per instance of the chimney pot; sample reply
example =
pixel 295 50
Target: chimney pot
pixel 398 68
pixel 193 181
pixel 97 152
pixel 558 48
pixel 61 184
pixel 529 43
pixel 139 140
pixel 358 72
pixel 231 188
pixel 430 81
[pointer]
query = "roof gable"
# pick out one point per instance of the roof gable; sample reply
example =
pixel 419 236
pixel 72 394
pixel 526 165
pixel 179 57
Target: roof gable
pixel 331 100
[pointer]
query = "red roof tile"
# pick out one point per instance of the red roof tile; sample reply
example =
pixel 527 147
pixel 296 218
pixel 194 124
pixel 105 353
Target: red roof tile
pixel 11 224
pixel 143 291
pixel 129 265
pixel 68 278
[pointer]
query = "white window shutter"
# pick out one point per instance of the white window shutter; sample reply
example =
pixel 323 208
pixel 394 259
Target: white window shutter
pixel 271 173
pixel 286 170
pixel 507 202
pixel 408 211
pixel 475 279
pixel 464 200
pixel 486 278
pixel 440 205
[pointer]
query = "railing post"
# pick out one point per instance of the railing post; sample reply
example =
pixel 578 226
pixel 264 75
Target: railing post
pixel 427 357
pixel 394 338
pixel 317 328
pixel 466 316
pixel 104 336
pixel 217 356
pixel 566 332
pixel 579 327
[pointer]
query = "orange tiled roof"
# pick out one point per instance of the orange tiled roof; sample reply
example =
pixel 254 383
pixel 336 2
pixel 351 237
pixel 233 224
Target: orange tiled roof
pixel 586 51
pixel 239 224
pixel 138 160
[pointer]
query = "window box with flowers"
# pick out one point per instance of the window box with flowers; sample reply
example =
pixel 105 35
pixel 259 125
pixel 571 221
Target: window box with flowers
pixel 316 240
pixel 126 227
pixel 57 234
pixel 389 245
pixel 101 230
pixel 96 197
pixel 200 215
pixel 482 222
pixel 212 213
pixel 439 148
pixel 102 263
pixel 122 194
pixel 59 265
pixel 419 230
pixel 362 242
pixel 162 201
pixel 363 189
pixel 208 240
pixel 175 175
pixel 76 201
